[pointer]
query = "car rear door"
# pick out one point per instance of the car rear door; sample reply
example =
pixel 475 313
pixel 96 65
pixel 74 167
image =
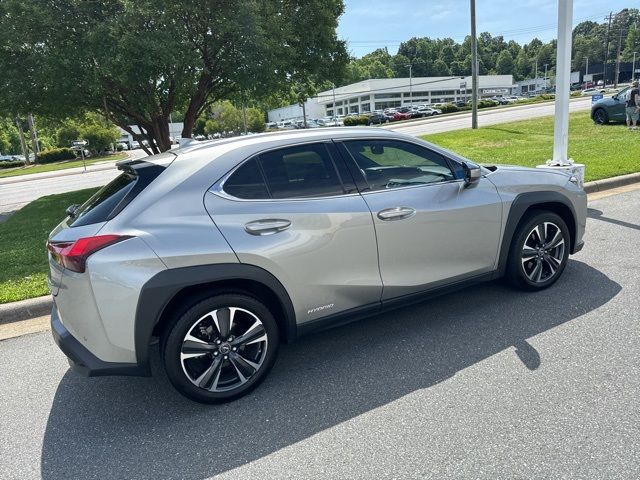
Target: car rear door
pixel 295 212
pixel 430 229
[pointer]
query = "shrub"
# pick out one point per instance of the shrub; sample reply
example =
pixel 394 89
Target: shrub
pixel 353 121
pixel 12 164
pixel 486 103
pixel 56 155
pixel 448 108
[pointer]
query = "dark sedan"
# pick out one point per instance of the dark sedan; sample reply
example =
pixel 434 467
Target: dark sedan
pixel 377 118
pixel 609 109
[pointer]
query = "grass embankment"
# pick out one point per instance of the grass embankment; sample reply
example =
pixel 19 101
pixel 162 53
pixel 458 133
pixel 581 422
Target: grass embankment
pixel 23 257
pixel 606 150
pixel 50 167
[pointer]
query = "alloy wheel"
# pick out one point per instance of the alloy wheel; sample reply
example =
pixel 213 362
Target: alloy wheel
pixel 543 252
pixel 224 349
pixel 600 116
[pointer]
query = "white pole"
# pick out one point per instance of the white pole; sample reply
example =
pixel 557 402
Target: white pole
pixel 410 86
pixel 563 75
pixel 633 68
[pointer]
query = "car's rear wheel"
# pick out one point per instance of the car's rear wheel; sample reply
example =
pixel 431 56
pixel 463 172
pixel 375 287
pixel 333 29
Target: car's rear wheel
pixel 600 116
pixel 220 348
pixel 539 251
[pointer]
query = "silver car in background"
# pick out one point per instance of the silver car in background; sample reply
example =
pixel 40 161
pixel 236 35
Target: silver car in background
pixel 223 250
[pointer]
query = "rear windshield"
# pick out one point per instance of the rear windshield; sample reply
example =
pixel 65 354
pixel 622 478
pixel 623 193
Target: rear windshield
pixel 107 202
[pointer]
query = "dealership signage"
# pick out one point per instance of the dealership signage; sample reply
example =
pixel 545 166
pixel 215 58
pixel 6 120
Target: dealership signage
pixel 495 90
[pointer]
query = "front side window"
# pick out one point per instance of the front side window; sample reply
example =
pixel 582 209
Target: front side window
pixel 388 164
pixel 301 172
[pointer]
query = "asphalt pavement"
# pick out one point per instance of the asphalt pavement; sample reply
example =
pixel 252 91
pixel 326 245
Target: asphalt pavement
pixel 484 383
pixel 485 117
pixel 14 196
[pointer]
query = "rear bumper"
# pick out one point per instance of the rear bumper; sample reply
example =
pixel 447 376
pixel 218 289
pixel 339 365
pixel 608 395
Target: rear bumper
pixel 82 360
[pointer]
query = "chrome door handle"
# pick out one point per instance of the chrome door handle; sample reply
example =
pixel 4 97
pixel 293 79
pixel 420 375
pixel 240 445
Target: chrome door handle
pixel 396 213
pixel 267 226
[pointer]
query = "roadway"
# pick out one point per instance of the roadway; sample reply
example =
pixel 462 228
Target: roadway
pixel 484 383
pixel 16 192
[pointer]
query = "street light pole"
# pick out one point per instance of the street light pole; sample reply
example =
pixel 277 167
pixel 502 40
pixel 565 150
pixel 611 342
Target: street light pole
pixel 545 74
pixel 474 67
pixel 410 84
pixel 633 67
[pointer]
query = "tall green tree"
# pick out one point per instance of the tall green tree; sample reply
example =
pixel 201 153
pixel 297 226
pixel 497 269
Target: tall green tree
pixel 138 61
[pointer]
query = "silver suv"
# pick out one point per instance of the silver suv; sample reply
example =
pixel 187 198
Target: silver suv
pixel 223 250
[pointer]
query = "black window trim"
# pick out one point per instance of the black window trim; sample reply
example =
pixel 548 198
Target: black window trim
pixel 363 184
pixel 218 187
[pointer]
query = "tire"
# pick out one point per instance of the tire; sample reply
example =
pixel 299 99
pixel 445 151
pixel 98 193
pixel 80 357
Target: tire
pixel 600 116
pixel 209 362
pixel 533 264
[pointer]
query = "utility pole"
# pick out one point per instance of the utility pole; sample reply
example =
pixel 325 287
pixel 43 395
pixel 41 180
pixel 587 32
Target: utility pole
pixel 23 142
pixel 586 70
pixel 615 80
pixel 606 49
pixel 474 68
pixel 410 84
pixel 34 137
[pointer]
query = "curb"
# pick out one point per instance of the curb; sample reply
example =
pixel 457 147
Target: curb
pixel 60 173
pixel 613 182
pixel 38 307
pixel 25 309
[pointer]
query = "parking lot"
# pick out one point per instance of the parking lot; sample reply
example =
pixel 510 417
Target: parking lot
pixel 483 383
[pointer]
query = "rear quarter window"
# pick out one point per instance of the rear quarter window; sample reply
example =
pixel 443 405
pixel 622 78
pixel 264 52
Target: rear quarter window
pixel 107 202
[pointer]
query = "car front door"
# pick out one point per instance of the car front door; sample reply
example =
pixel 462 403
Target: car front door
pixel 617 110
pixel 430 229
pixel 296 213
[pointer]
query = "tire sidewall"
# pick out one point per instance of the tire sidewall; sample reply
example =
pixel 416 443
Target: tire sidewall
pixel 515 267
pixel 172 344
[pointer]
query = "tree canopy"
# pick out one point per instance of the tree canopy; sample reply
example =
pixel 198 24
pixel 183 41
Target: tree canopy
pixel 444 57
pixel 136 61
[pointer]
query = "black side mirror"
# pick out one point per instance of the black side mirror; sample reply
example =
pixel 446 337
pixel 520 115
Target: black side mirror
pixel 472 174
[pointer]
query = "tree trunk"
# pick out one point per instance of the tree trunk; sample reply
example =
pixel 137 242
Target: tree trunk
pixel 195 105
pixel 160 131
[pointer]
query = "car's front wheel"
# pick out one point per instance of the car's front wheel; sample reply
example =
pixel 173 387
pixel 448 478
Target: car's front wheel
pixel 600 116
pixel 220 348
pixel 539 251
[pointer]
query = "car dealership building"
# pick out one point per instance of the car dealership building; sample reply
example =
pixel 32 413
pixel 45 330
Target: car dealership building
pixel 380 93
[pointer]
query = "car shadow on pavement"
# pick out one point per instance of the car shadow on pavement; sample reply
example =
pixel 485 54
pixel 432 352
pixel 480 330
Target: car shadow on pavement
pixel 597 215
pixel 141 428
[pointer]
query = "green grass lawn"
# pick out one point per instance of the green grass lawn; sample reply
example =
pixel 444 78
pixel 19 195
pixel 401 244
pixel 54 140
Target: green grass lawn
pixel 49 167
pixel 606 150
pixel 23 257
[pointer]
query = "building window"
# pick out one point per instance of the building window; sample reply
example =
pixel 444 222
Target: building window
pixel 387 95
pixel 390 104
pixel 340 111
pixel 366 107
pixel 353 109
pixel 443 92
pixel 338 103
pixel 329 113
pixel 329 105
pixel 353 100
pixel 366 98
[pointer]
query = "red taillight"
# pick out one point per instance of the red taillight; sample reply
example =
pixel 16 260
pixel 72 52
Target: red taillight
pixel 73 255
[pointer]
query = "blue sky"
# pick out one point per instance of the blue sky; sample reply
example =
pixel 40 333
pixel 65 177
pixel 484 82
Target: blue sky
pixel 371 24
